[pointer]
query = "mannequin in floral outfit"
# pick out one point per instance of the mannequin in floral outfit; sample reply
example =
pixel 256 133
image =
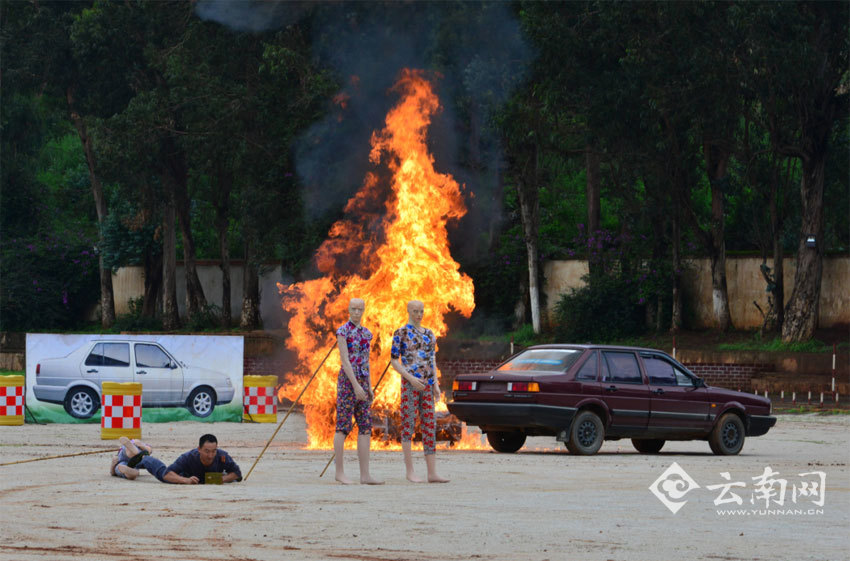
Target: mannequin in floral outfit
pixel 354 392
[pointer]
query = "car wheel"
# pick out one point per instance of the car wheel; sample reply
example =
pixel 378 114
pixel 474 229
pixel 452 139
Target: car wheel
pixel 648 445
pixel 586 434
pixel 727 438
pixel 201 402
pixel 81 402
pixel 507 442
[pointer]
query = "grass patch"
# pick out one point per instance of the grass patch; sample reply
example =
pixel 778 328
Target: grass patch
pixel 12 373
pixel 776 345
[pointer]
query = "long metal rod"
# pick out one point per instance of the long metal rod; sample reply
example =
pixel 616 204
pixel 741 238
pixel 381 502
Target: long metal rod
pixel 113 450
pixel 387 367
pixel 290 411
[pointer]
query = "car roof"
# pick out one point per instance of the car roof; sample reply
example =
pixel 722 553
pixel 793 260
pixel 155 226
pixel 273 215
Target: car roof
pixel 593 346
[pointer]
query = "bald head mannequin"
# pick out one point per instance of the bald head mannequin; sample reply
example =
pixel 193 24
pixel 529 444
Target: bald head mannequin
pixel 356 306
pixel 415 312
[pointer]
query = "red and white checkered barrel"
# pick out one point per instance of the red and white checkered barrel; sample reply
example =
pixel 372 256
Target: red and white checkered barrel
pixel 12 400
pixel 258 399
pixel 121 410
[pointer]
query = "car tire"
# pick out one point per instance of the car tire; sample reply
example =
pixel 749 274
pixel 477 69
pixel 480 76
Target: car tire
pixel 81 402
pixel 648 445
pixel 506 442
pixel 201 401
pixel 586 434
pixel 727 437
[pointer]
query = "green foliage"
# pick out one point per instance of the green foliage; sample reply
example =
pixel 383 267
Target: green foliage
pixel 134 320
pixel 604 310
pixel 49 282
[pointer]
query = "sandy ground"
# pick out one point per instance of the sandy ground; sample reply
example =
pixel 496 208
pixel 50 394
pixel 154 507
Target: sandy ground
pixel 540 503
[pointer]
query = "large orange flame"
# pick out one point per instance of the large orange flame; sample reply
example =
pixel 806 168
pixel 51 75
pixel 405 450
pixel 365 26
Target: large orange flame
pixel 392 247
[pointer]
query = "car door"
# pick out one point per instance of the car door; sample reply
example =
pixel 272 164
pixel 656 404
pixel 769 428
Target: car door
pixel 161 383
pixel 677 405
pixel 625 392
pixel 108 362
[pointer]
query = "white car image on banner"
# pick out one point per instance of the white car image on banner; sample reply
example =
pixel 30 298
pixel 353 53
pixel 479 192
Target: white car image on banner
pixel 202 374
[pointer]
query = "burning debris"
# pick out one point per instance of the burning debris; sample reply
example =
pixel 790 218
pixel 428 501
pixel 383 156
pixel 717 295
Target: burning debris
pixel 390 248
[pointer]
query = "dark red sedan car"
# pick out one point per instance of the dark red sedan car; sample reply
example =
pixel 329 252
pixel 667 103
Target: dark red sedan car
pixel 585 394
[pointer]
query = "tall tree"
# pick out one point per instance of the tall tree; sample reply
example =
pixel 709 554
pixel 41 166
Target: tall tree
pixel 797 54
pixel 42 62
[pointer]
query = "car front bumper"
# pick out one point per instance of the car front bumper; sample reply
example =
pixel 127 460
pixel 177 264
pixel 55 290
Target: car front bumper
pixel 758 425
pixel 512 415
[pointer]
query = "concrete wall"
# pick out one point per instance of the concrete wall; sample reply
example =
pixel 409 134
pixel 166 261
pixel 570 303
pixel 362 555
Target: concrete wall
pixel 128 283
pixel 744 283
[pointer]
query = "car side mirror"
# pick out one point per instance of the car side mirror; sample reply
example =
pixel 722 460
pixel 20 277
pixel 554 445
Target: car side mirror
pixel 172 365
pixel 699 383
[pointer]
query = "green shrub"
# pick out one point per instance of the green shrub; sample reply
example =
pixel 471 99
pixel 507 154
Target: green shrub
pixel 604 310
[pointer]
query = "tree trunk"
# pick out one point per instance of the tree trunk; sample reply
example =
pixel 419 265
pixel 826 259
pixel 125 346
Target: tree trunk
pixel 107 298
pixel 716 160
pixel 170 312
pixel 676 316
pixel 776 224
pixel 195 299
pixel 221 223
pixel 250 291
pixel 529 204
pixel 593 198
pixel 801 315
pixel 153 283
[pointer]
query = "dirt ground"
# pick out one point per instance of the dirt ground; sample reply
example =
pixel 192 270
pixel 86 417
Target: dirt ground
pixel 540 503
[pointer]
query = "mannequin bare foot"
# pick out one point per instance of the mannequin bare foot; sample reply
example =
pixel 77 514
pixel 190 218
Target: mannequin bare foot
pixel 437 479
pixel 343 479
pixel 413 478
pixel 129 447
pixel 369 480
pixel 129 473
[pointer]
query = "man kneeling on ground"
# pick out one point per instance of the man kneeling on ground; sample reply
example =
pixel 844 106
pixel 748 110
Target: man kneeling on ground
pixel 188 469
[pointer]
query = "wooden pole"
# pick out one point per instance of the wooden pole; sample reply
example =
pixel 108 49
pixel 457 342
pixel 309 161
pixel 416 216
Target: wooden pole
pixel 387 367
pixel 290 411
pixel 113 450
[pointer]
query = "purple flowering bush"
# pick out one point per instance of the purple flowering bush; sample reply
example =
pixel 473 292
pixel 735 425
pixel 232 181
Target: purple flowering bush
pixel 48 281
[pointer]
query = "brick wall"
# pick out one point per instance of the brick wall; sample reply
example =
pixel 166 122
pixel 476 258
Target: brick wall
pixel 725 375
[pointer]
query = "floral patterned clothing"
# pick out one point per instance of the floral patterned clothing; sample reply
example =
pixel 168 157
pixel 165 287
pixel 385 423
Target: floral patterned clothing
pixel 416 349
pixel 358 341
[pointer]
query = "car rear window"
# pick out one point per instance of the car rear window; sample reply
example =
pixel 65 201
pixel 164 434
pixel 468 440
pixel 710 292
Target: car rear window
pixel 109 354
pixel 542 360
pixel 621 367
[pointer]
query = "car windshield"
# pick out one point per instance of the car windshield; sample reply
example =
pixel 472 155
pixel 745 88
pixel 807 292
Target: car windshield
pixel 543 360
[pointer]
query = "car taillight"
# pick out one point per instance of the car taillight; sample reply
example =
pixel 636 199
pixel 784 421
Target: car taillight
pixel 458 386
pixel 523 387
pixel 38 369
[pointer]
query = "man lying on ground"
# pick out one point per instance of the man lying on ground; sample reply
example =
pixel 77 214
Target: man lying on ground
pixel 189 469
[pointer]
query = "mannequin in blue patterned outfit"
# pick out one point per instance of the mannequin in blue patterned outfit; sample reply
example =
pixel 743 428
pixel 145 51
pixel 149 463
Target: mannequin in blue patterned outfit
pixel 354 392
pixel 413 356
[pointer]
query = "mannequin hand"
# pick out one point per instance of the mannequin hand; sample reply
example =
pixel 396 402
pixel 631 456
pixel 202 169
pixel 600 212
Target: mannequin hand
pixel 417 384
pixel 360 393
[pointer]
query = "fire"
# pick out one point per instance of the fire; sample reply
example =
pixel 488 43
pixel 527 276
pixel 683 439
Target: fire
pixel 392 247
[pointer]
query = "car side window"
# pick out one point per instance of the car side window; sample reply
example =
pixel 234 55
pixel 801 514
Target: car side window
pixel 587 371
pixel 623 367
pixel 683 379
pixel 95 357
pixel 660 371
pixel 151 356
pixel 116 354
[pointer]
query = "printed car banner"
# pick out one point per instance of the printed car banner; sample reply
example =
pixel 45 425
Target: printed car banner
pixel 183 377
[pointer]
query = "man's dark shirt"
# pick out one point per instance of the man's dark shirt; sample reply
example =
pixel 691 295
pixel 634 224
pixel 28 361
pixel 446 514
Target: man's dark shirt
pixel 189 464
